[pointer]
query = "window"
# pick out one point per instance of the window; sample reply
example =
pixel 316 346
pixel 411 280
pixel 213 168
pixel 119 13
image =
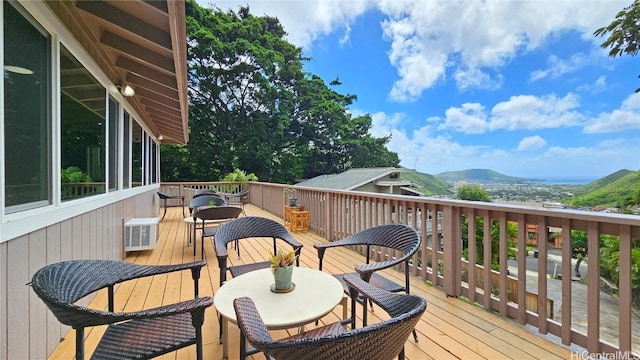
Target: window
pixel 82 112
pixel 136 154
pixel 154 162
pixel 126 151
pixel 27 124
pixel 114 114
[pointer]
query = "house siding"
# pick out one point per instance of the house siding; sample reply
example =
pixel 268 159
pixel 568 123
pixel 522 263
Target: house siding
pixel 97 234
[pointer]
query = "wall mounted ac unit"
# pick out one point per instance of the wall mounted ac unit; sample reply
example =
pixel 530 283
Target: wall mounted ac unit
pixel 141 234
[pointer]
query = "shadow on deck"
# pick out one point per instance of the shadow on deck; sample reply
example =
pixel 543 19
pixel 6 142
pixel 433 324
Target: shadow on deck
pixel 450 328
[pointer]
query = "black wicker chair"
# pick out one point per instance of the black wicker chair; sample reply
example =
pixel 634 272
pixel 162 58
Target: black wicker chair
pixel 396 244
pixel 202 202
pixel 133 335
pixel 203 192
pixel 237 199
pixel 381 341
pixel 244 228
pixel 164 197
pixel 211 219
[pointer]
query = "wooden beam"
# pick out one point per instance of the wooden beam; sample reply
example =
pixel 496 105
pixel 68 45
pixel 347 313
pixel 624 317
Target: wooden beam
pixel 146 72
pixel 139 52
pixel 126 21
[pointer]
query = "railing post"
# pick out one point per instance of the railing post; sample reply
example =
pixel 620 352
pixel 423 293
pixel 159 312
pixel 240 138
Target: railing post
pixel 451 239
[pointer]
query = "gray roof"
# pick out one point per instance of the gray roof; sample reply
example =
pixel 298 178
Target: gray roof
pixel 350 179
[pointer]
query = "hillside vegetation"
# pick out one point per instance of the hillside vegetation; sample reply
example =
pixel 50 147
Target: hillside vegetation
pixel 481 176
pixel 429 184
pixel 609 193
pixel 597 184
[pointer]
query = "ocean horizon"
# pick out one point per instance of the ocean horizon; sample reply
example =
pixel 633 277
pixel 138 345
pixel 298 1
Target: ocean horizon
pixel 561 180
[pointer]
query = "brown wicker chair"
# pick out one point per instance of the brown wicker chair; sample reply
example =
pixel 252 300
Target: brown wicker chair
pixel 133 335
pixel 396 244
pixel 381 341
pixel 245 228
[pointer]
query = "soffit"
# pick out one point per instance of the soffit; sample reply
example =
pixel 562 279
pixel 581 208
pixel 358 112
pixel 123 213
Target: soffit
pixel 143 44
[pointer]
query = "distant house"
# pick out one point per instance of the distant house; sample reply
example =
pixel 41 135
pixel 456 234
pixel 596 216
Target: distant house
pixel 384 180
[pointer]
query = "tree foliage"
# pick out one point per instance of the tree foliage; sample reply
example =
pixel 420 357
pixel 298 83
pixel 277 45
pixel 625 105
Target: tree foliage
pixel 253 107
pixel 623 32
pixel 473 193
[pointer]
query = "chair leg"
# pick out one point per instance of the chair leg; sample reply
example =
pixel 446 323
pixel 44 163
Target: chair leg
pixel 220 328
pixel 165 208
pixel 80 343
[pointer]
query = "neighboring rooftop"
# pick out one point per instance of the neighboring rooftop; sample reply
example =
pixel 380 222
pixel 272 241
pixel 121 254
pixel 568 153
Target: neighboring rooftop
pixel 364 179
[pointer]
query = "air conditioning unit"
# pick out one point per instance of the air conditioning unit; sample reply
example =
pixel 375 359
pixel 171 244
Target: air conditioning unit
pixel 141 234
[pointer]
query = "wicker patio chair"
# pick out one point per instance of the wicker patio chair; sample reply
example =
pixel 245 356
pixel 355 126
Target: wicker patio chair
pixel 394 244
pixel 164 197
pixel 205 200
pixel 381 341
pixel 211 219
pixel 201 202
pixel 245 228
pixel 202 192
pixel 139 334
pixel 237 199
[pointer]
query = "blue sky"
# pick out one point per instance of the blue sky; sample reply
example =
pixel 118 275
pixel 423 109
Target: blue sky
pixel 519 87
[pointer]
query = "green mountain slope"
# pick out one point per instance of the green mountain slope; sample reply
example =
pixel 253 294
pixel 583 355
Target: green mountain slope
pixel 481 176
pixel 429 184
pixel 609 193
pixel 595 185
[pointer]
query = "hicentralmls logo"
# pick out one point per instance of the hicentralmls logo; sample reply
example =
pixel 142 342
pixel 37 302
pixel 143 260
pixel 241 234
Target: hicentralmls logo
pixel 618 355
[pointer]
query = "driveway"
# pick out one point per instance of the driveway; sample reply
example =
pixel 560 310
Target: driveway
pixel 608 302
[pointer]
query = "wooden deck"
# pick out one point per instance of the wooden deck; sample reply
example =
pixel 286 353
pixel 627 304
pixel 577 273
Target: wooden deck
pixel 450 328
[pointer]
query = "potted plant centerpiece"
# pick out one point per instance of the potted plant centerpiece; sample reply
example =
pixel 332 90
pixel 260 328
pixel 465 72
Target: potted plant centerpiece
pixel 282 268
pixel 291 193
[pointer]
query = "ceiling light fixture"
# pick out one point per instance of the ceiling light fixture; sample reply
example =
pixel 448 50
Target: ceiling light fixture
pixel 18 70
pixel 126 90
pixel 160 137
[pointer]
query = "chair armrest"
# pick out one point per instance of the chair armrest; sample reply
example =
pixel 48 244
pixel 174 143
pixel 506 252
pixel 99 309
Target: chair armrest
pixel 250 322
pixel 365 270
pixel 393 303
pixel 91 317
pixel 134 271
pixel 322 247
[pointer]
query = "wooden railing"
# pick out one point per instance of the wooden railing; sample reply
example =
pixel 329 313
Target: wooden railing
pixel 336 214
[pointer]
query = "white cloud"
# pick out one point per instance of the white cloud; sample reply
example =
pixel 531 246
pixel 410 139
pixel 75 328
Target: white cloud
pixel 304 21
pixel 625 118
pixel 522 112
pixel 531 143
pixel 532 112
pixel 558 67
pixel 433 153
pixel 472 36
pixel 469 119
pixel 597 86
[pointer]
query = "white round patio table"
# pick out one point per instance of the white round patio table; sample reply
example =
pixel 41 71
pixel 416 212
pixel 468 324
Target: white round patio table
pixel 316 293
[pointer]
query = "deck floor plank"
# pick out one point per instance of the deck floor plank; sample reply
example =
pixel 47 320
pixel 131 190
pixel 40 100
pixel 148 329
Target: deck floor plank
pixel 450 328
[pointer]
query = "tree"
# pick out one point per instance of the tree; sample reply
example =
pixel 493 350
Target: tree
pixel 253 107
pixel 241 77
pixel 624 32
pixel 473 193
pixel 579 248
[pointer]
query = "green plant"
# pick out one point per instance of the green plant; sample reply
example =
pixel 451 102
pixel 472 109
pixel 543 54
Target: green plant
pixel 282 258
pixel 290 192
pixel 73 174
pixel 240 176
